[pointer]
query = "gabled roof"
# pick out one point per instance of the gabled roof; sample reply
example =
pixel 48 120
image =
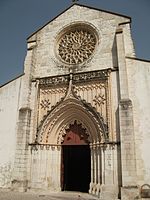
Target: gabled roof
pixel 81 5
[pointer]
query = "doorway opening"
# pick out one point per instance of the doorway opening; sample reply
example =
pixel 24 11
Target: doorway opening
pixel 76 159
pixel 76 168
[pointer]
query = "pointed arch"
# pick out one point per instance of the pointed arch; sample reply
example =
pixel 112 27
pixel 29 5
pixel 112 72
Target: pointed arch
pixel 57 121
pixel 75 134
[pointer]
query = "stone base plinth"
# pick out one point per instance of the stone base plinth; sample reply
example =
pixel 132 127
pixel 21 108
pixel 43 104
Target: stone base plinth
pixel 129 193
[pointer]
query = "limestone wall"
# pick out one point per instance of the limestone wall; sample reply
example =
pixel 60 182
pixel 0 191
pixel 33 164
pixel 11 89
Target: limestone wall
pixel 9 96
pixel 45 61
pixel 43 175
pixel 139 92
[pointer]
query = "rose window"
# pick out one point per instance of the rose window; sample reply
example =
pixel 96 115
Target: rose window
pixel 76 46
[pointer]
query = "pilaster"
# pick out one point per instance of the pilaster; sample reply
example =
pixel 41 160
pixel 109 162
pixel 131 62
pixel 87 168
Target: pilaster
pixel 128 159
pixel 20 180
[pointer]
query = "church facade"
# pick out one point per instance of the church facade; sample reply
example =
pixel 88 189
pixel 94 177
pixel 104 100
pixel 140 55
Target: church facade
pixel 78 119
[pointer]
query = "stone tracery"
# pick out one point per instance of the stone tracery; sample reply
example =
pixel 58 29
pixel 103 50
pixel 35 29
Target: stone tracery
pixel 76 46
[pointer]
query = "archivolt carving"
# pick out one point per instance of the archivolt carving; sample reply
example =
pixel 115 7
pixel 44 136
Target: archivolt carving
pixel 66 127
pixel 49 129
pixel 72 109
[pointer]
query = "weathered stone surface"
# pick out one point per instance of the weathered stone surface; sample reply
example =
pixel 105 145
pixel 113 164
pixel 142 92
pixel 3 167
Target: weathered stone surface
pixel 101 90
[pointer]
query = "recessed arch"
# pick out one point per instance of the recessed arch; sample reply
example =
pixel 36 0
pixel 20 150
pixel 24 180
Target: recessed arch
pixel 74 124
pixel 68 111
pixel 75 134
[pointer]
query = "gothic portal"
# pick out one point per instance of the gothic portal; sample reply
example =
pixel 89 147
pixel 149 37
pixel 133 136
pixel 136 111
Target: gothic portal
pixel 79 122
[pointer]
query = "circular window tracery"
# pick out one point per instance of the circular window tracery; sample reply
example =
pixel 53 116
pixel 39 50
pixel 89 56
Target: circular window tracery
pixel 76 45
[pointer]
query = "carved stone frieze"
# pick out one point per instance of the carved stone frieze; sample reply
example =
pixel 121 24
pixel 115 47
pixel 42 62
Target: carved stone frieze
pixel 57 80
pixel 77 78
pixel 88 89
pixel 88 76
pixel 47 91
pixel 40 147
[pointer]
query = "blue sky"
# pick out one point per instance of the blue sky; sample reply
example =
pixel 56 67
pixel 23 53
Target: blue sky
pixel 20 18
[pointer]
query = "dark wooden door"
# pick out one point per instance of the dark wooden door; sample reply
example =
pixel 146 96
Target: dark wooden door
pixel 76 168
pixel 75 163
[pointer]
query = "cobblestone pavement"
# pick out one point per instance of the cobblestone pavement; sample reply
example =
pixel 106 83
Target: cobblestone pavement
pixel 9 195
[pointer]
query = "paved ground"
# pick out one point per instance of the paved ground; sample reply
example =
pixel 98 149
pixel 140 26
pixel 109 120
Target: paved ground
pixel 9 195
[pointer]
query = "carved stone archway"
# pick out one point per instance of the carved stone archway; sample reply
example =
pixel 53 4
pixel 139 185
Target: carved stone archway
pixel 66 115
pixel 55 124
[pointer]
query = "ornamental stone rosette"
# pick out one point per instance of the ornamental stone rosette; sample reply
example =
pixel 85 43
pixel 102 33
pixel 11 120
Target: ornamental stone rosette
pixel 77 44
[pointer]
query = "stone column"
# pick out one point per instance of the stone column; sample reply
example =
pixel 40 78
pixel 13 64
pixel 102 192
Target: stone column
pixel 58 163
pixel 103 163
pixel 20 179
pixel 92 170
pixel 98 170
pixel 95 168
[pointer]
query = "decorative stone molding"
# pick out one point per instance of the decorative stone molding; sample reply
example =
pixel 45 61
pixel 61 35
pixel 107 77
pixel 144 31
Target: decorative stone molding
pixel 88 76
pixel 77 78
pixel 57 80
pixel 99 99
pixel 60 113
pixel 125 104
pixel 47 91
pixel 45 104
pixel 66 127
pixel 38 147
pixel 25 109
pixel 72 102
pixel 81 87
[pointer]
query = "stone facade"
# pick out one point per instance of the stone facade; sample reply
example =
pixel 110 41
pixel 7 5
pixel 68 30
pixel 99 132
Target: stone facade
pixel 82 85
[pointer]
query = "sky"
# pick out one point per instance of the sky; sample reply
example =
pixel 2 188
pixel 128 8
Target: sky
pixel 20 18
